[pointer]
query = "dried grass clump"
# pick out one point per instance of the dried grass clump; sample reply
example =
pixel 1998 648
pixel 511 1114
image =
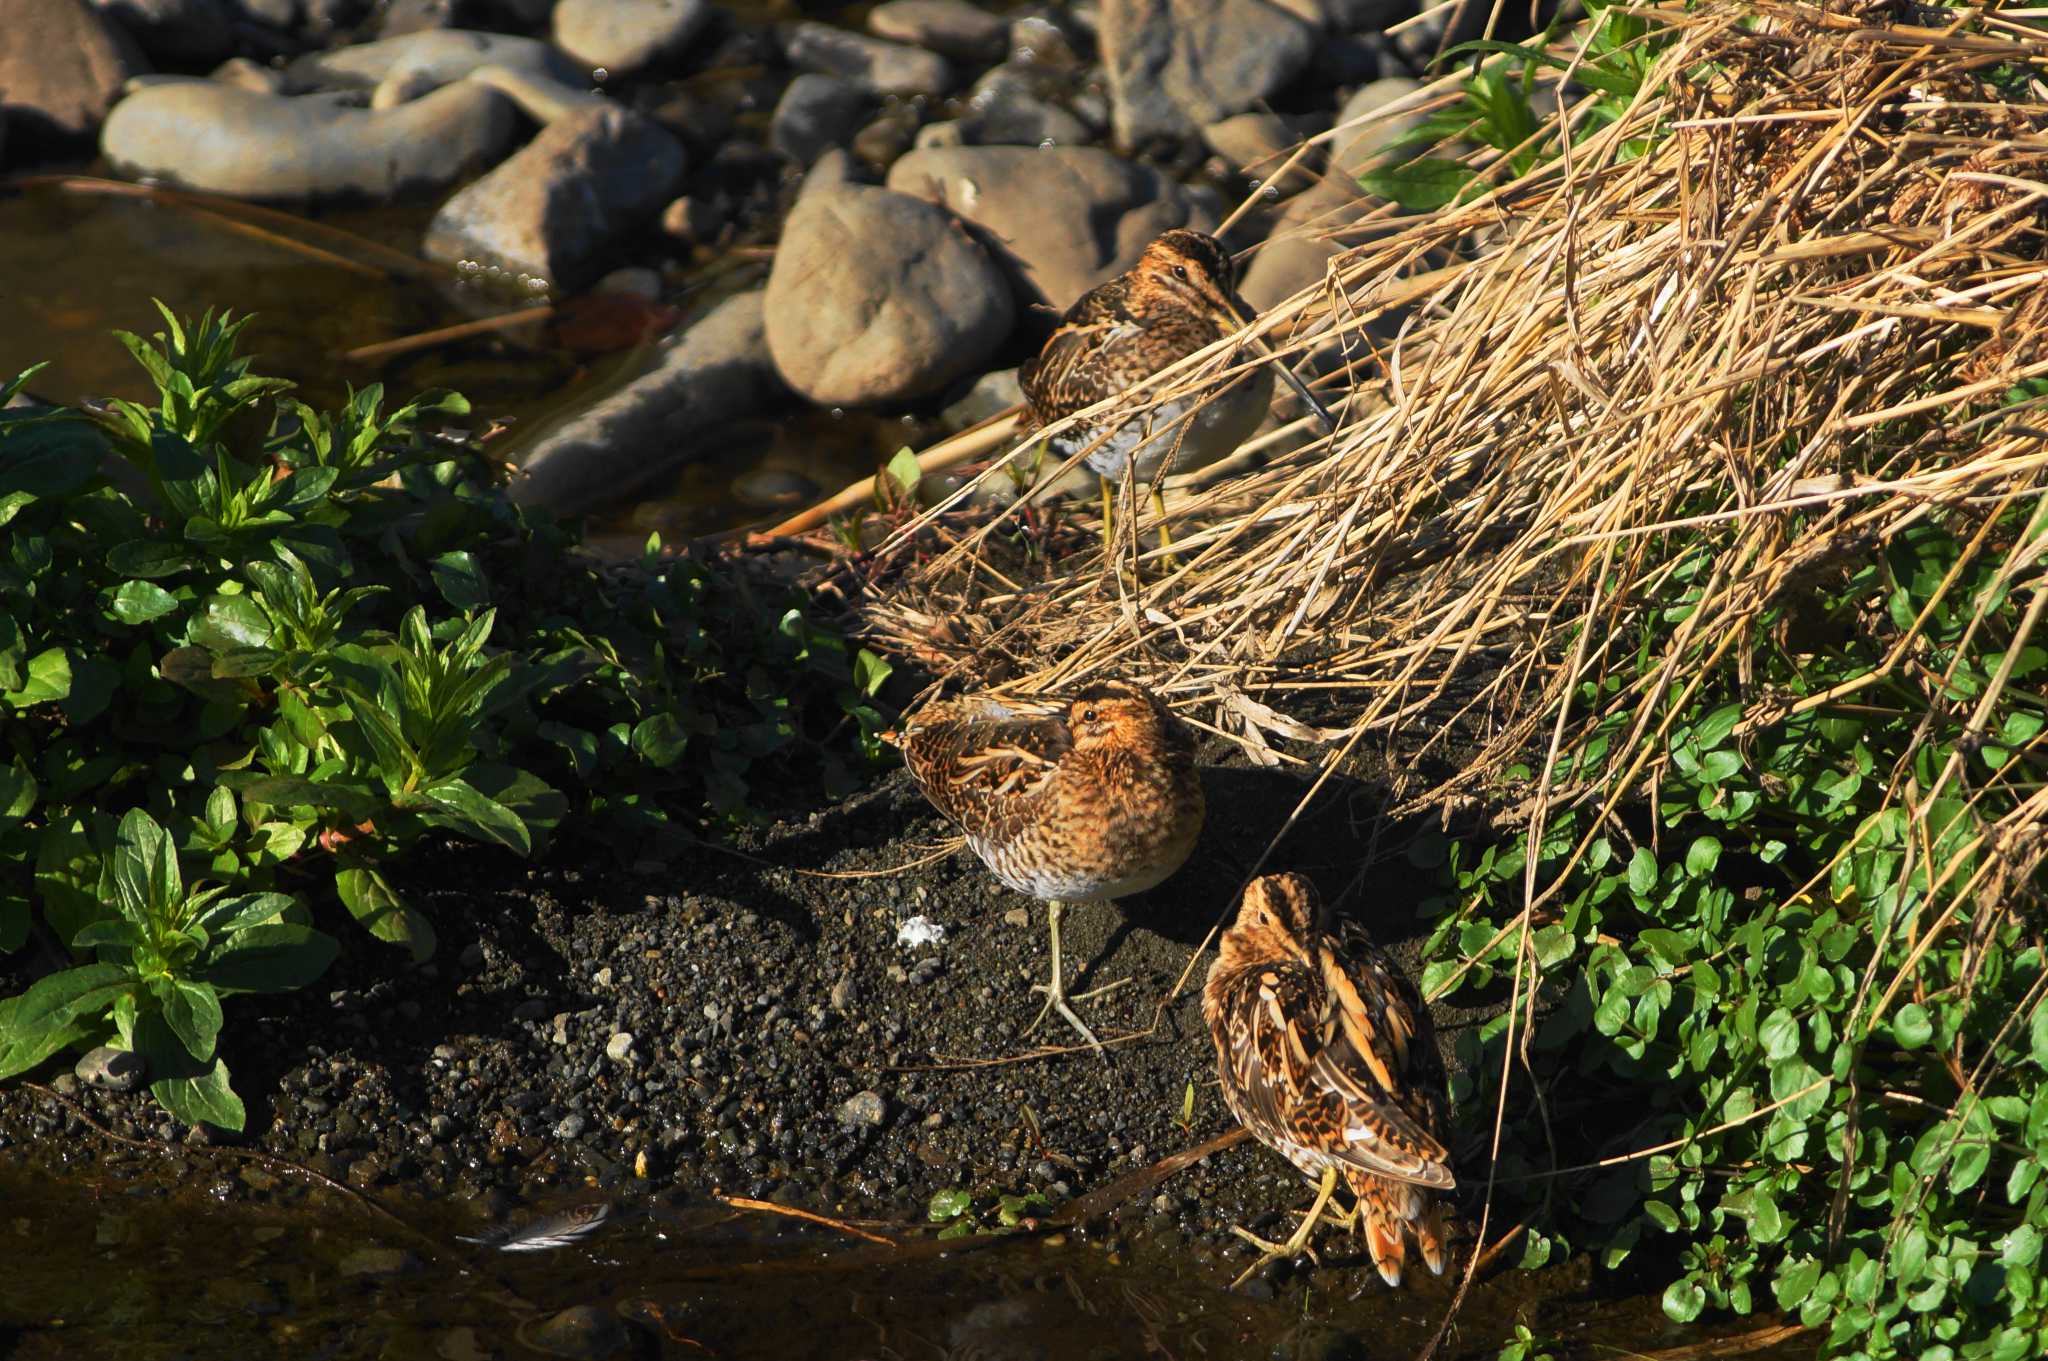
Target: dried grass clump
pixel 1784 333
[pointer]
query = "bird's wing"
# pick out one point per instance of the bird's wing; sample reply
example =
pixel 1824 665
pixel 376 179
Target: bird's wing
pixel 977 767
pixel 1375 1075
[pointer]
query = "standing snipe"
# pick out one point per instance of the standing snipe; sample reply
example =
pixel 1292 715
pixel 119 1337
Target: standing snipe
pixel 1329 1058
pixel 1180 297
pixel 1073 798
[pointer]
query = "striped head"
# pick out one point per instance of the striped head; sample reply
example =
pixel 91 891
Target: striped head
pixel 1278 919
pixel 1193 270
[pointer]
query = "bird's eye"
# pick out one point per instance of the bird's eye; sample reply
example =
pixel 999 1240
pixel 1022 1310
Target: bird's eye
pixel 1180 271
pixel 1087 715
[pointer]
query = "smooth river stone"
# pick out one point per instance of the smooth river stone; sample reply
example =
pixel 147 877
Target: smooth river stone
pixel 223 140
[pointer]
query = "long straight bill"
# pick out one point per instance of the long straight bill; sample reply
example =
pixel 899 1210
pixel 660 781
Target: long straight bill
pixel 1293 379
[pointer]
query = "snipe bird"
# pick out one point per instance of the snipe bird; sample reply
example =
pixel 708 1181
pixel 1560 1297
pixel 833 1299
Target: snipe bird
pixel 1180 297
pixel 1329 1058
pixel 1079 797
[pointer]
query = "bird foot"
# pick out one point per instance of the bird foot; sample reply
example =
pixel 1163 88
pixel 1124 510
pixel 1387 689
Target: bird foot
pixel 1056 999
pixel 1294 1247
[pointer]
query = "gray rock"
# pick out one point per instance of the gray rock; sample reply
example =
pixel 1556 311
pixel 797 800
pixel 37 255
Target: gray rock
pixel 1174 65
pixel 1258 145
pixel 111 1069
pixel 876 296
pixel 1003 110
pixel 889 136
pixel 1297 252
pixel 619 1049
pixel 585 1333
pixel 952 28
pixel 418 16
pixel 814 113
pixel 628 35
pixel 405 67
pixel 1068 217
pixel 845 993
pixel 1037 40
pixel 204 135
pixel 869 1110
pixel 61 68
pixel 715 372
pixel 176 32
pixel 881 68
pixel 571 1126
pixel 552 210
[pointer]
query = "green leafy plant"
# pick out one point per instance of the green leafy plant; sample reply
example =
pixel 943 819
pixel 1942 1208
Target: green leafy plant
pixel 165 956
pixel 299 643
pixel 1495 107
pixel 953 1209
pixel 1821 995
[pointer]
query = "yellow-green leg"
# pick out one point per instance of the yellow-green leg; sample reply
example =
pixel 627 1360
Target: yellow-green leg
pixel 1056 990
pixel 1295 1246
pixel 1108 501
pixel 1166 557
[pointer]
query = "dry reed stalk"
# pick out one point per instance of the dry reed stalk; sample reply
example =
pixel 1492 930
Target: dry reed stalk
pixel 1759 337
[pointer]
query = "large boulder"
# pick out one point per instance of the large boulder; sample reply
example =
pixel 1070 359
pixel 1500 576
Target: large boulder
pixel 61 68
pixel 876 296
pixel 711 374
pixel 403 68
pixel 1175 65
pixel 246 144
pixel 1066 218
pixel 551 212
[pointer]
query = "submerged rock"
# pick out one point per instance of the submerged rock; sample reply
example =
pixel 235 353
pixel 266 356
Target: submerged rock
pixel 715 372
pixel 815 114
pixel 585 1332
pixel 181 32
pixel 878 297
pixel 952 28
pixel 1068 217
pixel 214 137
pixel 551 211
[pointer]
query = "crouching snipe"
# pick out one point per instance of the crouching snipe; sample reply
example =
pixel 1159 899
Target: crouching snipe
pixel 1328 1056
pixel 1074 798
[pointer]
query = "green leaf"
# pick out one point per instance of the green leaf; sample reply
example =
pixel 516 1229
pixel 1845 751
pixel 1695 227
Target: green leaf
pixel 144 870
pixel 1683 1300
pixel 138 602
pixel 1702 856
pixel 905 473
pixel 1911 1026
pixel 39 1022
pixel 460 579
pixel 48 678
pixel 1420 186
pixel 948 1204
pixel 272 958
pixel 869 672
pixel 1795 1281
pixel 17 795
pixel 1642 872
pixel 151 558
pixel 375 904
pixel 1779 1034
pixel 193 1013
pixel 2021 1247
pixel 466 809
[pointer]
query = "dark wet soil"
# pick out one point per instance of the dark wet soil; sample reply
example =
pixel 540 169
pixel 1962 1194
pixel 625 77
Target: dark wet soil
pixel 784 1047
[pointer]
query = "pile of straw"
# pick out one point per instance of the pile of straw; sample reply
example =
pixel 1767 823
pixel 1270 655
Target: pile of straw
pixel 1716 370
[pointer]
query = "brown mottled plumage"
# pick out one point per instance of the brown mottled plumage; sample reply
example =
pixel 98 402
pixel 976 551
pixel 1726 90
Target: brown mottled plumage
pixel 1179 298
pixel 1328 1056
pixel 1072 798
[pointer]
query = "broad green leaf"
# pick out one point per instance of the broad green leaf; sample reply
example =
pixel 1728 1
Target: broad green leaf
pixel 1795 1281
pixel 948 1204
pixel 48 677
pixel 388 917
pixel 276 957
pixel 1421 186
pixel 905 472
pixel 1911 1026
pixel 1779 1034
pixel 151 558
pixel 193 1013
pixel 138 602
pixel 1642 872
pixel 467 810
pixel 1683 1300
pixel 460 579
pixel 40 1021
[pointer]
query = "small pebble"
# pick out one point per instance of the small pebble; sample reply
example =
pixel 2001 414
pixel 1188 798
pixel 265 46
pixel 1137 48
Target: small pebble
pixel 869 1109
pixel 571 1127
